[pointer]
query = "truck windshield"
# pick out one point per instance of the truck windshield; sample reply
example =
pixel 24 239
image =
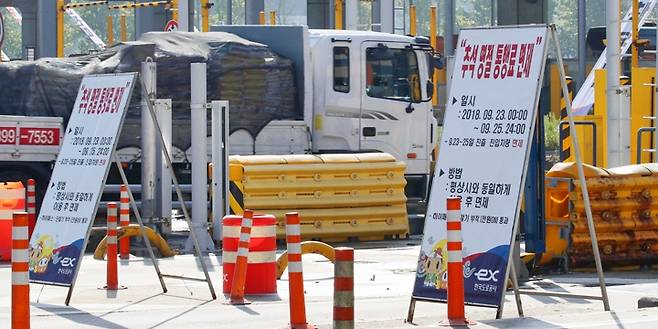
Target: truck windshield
pixel 392 73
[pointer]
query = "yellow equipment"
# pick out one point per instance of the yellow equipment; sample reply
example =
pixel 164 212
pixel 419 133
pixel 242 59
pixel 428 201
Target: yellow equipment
pixel 134 230
pixel 624 203
pixel 308 247
pixel 338 196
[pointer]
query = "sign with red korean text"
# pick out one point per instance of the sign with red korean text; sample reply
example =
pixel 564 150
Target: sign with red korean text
pixel 77 181
pixel 483 154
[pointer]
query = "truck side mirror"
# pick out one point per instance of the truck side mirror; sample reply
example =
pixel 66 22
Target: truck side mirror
pixel 437 61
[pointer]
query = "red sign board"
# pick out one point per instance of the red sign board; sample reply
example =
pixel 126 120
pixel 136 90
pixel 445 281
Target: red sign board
pixel 171 26
pixel 30 136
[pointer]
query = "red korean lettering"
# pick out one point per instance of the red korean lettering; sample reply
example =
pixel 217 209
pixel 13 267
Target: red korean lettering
pixel 512 59
pixel 95 99
pixel 84 100
pixel 118 94
pixel 103 101
pixel 498 63
pixel 484 66
pixel 470 59
pixel 525 60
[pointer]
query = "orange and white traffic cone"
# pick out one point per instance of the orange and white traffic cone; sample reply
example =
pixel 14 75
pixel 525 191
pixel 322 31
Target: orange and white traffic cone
pixel 295 276
pixel 112 281
pixel 31 205
pixel 344 288
pixel 240 269
pixel 456 314
pixel 20 277
pixel 124 221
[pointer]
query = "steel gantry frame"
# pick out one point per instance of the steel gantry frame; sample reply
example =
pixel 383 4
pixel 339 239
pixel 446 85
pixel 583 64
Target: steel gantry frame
pixel 171 5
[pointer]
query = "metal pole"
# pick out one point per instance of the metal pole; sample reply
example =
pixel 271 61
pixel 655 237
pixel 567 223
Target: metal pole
pixel 634 34
pixel 412 20
pixel 229 12
pixel 205 18
pixel 435 72
pixel 261 18
pixel 174 10
pixel 110 31
pixel 148 139
pixel 272 17
pixel 164 117
pixel 199 159
pixel 219 164
pixel 124 29
pixel 582 42
pixel 449 27
pixel 148 146
pixel 338 14
pixel 579 165
pixel 183 15
pixel 655 111
pixel 613 90
pixel 351 14
pixel 60 28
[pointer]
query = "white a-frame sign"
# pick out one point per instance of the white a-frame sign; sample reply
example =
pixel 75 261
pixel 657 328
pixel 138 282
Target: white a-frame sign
pixel 71 201
pixel 483 158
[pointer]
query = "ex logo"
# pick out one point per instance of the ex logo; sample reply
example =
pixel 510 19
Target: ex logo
pixel 486 275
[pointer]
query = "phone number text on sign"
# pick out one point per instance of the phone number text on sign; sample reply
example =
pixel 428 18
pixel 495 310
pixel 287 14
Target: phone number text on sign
pixel 29 136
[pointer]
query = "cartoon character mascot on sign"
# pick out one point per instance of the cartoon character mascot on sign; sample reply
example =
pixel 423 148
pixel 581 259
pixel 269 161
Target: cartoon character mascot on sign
pixel 433 266
pixel 40 254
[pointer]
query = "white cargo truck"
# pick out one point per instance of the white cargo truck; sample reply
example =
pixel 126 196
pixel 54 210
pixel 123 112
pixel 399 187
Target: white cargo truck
pixel 361 91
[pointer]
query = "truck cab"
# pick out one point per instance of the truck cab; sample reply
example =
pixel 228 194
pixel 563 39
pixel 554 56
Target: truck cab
pixel 371 94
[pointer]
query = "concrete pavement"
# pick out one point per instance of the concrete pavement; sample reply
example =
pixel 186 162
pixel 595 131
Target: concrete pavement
pixel 383 285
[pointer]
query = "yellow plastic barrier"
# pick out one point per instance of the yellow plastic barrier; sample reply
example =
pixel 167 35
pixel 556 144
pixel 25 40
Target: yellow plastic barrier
pixel 308 247
pixel 338 196
pixel 134 230
pixel 624 208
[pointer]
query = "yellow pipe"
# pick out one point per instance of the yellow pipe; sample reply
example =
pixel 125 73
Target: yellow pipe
pixel 135 230
pixel 338 14
pixel 205 21
pixel 110 31
pixel 272 17
pixel 308 247
pixel 124 29
pixel 635 37
pixel 435 73
pixel 412 20
pixel 174 10
pixel 60 28
pixel 261 17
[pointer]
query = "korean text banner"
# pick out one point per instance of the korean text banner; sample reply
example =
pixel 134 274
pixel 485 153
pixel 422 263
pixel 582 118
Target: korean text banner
pixel 69 206
pixel 482 158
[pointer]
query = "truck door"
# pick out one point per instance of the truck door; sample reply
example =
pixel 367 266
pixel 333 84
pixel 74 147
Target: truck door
pixel 393 119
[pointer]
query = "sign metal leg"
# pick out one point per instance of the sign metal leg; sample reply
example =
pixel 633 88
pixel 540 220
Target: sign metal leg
pixel 515 285
pixel 581 173
pixel 141 224
pixel 412 309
